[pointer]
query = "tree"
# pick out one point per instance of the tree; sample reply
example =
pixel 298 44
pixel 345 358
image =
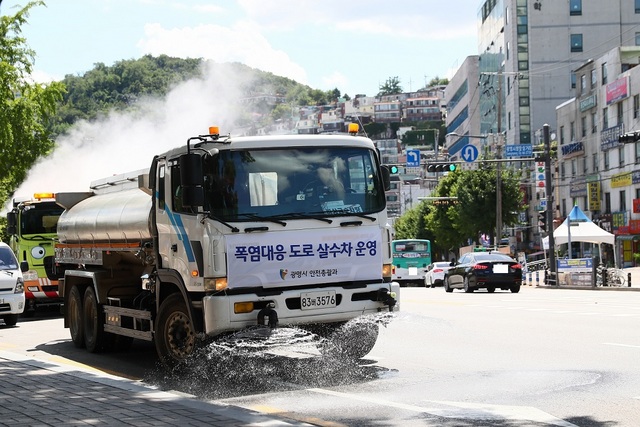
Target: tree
pixel 390 87
pixel 26 107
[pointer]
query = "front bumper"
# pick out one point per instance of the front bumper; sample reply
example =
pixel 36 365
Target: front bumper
pixel 11 303
pixel 219 316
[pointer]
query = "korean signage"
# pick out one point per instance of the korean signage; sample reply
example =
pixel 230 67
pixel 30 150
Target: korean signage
pixel 609 137
pixel 618 90
pixel 518 150
pixel 572 149
pixel 634 226
pixel 593 193
pixel 619 219
pixel 578 187
pixel 309 256
pixel 636 205
pixel 588 102
pixel 578 265
pixel 621 180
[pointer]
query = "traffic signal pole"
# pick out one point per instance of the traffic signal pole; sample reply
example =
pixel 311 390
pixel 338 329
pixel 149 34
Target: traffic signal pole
pixel 553 267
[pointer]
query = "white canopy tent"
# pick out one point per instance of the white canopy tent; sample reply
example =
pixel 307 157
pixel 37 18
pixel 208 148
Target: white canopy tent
pixel 582 229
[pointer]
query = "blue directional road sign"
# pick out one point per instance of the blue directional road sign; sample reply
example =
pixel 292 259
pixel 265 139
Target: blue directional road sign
pixel 413 158
pixel 469 153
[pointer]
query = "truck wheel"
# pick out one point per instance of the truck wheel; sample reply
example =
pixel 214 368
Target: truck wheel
pixel 10 319
pixel 93 322
pixel 74 311
pixel 351 341
pixel 175 337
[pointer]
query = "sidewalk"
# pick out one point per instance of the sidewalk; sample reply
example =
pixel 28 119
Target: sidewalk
pixel 42 393
pixel 538 281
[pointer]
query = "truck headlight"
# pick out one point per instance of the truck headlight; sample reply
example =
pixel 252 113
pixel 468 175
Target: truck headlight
pixel 215 284
pixel 30 275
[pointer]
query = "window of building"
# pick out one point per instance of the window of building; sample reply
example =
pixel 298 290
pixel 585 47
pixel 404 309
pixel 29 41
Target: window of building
pixel 607 203
pixel 594 78
pixel 594 162
pixel 576 42
pixel 621 156
pixel 564 207
pixel 604 70
pixel 562 170
pixel 620 113
pixel 583 83
pixel 583 126
pixel 572 132
pixel 637 151
pixel 573 80
pixel 636 106
pixel 575 7
pixel 594 122
pixel 574 168
pixel 585 167
pixel 561 135
pixel 606 160
pixel 605 119
pixel 623 200
pixel 637 3
pixel 637 39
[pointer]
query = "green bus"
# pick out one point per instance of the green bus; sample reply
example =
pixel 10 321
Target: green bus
pixel 411 257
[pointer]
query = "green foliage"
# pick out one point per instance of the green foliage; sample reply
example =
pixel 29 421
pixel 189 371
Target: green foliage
pixel 390 87
pixel 413 225
pixel 422 137
pixel 475 210
pixel 26 108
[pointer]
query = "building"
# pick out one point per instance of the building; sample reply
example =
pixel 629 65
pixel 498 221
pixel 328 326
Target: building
pixel 529 52
pixel 595 171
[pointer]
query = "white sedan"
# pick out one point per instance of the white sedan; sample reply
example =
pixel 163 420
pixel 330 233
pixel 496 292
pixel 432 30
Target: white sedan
pixel 435 273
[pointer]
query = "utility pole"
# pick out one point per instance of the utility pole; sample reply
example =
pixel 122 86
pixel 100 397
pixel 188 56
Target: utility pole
pixel 553 268
pixel 498 166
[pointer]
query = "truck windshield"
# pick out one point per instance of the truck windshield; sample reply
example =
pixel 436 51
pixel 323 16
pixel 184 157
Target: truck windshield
pixel 333 181
pixel 40 218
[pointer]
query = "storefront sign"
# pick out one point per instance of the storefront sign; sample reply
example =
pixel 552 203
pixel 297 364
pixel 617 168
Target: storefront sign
pixel 621 180
pixel 636 205
pixel 609 137
pixel 587 102
pixel 634 226
pixel 619 219
pixel 594 196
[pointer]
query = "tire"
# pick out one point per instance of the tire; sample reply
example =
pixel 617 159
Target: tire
pixel 515 288
pixel 175 337
pixel 75 317
pixel 447 288
pixel 491 289
pixel 467 288
pixel 94 339
pixel 351 341
pixel 10 319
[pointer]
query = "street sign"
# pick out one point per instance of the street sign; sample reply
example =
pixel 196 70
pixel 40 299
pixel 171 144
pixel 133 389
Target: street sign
pixel 518 150
pixel 469 153
pixel 413 158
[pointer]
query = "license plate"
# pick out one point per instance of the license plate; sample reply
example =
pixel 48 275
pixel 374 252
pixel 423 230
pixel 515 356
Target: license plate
pixel 500 268
pixel 315 300
pixel 413 271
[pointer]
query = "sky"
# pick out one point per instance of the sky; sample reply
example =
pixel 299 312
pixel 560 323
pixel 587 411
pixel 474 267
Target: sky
pixel 352 45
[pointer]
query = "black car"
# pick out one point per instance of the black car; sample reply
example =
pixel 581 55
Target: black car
pixel 475 270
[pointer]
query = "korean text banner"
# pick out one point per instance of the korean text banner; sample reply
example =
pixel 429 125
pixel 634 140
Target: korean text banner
pixel 304 257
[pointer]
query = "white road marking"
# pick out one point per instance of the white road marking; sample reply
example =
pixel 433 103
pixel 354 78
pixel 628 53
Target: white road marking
pixel 461 409
pixel 621 345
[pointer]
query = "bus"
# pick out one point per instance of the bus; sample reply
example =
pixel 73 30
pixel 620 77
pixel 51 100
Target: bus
pixel 411 258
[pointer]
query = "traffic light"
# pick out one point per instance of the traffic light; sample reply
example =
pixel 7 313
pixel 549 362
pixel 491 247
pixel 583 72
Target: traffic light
pixel 629 137
pixel 441 167
pixel 542 220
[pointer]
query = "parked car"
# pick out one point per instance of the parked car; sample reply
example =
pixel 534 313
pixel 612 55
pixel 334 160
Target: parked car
pixel 11 286
pixel 435 273
pixel 475 270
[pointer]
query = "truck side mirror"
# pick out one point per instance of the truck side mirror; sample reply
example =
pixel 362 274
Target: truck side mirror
pixel 12 221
